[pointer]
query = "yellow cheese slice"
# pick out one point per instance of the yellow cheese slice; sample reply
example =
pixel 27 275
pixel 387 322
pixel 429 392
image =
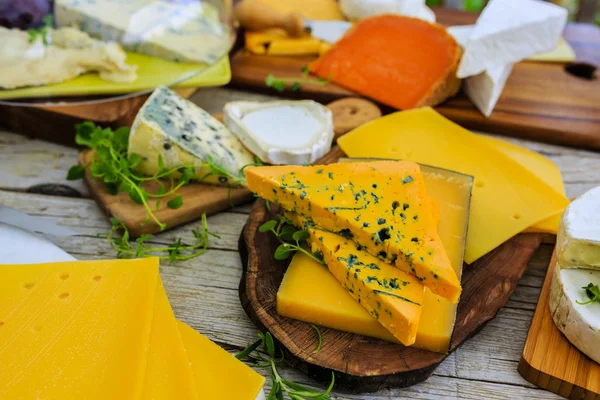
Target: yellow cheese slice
pixel 563 52
pixel 310 293
pixel 540 166
pixel 380 205
pixel 75 330
pixel 507 197
pixel 168 372
pixel 218 374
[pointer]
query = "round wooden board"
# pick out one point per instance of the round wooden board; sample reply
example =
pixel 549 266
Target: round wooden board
pixel 363 364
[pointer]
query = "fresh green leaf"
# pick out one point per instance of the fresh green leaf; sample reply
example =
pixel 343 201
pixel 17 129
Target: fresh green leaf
pixel 300 236
pixel 593 293
pixel 76 172
pixel 295 86
pixel 111 188
pixel 270 344
pixel 160 190
pixel 138 196
pixel 175 202
pixel 283 252
pixel 270 80
pixel 305 70
pixel 268 226
pixel 248 350
pixel 287 233
pixel 316 328
pixel 134 160
pixel 157 206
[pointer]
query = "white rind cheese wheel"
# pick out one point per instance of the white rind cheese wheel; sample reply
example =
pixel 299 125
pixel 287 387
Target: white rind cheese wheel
pixel 578 240
pixel 579 323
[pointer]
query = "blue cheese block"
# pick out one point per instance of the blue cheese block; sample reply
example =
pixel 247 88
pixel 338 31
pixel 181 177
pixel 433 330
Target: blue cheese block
pixel 176 31
pixel 184 134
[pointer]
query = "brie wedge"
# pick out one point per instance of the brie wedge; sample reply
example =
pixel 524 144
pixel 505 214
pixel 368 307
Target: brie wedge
pixel 509 31
pixel 580 323
pixel 181 133
pixel 485 88
pixel 282 132
pixel 359 9
pixel 578 239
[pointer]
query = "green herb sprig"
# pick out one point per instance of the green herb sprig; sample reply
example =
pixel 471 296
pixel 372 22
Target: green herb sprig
pixel 593 293
pixel 281 386
pixel 42 31
pixel 290 238
pixel 280 84
pixel 319 336
pixel 112 164
pixel 176 251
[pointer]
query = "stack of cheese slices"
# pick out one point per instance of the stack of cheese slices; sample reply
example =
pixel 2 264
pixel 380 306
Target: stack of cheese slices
pixel 105 330
pixel 394 234
pixel 575 289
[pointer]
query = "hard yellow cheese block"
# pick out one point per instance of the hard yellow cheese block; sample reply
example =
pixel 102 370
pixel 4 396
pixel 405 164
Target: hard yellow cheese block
pixel 168 371
pixel 507 197
pixel 218 374
pixel 380 205
pixel 540 166
pixel 324 10
pixel 76 330
pixel 310 293
pixel 277 42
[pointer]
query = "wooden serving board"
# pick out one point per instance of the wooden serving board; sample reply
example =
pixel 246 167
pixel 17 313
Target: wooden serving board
pixel 199 198
pixel 541 101
pixel 550 361
pixel 363 364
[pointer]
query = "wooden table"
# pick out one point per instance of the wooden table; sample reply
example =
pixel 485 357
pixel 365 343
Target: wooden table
pixel 204 291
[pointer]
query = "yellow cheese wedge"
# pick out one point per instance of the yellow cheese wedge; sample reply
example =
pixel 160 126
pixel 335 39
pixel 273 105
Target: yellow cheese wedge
pixel 312 9
pixel 380 205
pixel 310 293
pixel 218 374
pixel 168 372
pixel 563 52
pixel 75 330
pixel 540 166
pixel 507 197
pixel 392 297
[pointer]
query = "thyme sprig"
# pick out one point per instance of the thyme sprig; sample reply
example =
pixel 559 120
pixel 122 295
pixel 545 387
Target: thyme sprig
pixel 280 385
pixel 280 84
pixel 290 238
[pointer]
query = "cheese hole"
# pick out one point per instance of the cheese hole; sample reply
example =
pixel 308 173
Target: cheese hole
pixel 64 276
pixel 63 296
pixel 394 149
pixel 97 278
pixel 37 328
pixel 28 285
pixel 337 249
pixel 517 216
pixel 479 184
pixel 1 324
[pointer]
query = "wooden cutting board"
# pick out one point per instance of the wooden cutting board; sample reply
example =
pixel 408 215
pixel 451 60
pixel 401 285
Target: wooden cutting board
pixel 199 198
pixel 550 361
pixel 541 101
pixel 360 363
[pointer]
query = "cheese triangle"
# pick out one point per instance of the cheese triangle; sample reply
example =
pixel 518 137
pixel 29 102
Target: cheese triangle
pixel 392 297
pixel 381 206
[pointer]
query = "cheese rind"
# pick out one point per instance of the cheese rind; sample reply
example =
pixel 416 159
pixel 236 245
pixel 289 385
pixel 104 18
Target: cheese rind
pixel 68 334
pixel 392 297
pixel 216 371
pixel 177 31
pixel 282 132
pixel 381 206
pixel 426 137
pixel 184 134
pixel 578 322
pixel 509 31
pixel 578 240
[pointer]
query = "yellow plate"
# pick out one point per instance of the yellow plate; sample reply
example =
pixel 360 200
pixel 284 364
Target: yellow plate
pixel 152 72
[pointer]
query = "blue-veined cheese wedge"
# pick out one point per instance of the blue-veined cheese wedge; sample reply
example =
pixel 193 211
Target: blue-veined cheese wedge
pixel 184 134
pixel 176 31
pixel 282 132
